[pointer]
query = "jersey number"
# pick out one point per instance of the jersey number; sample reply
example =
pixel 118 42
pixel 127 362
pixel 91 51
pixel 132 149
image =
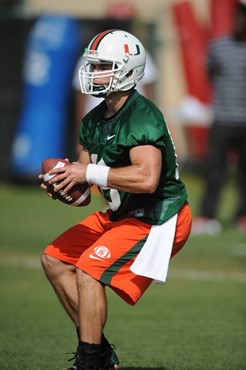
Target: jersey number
pixel 112 196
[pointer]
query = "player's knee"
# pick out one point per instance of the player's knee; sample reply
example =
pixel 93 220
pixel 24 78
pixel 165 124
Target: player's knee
pixel 83 278
pixel 49 264
pixel 55 268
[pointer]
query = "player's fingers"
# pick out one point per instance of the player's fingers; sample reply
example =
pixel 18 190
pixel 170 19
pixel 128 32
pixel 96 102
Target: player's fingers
pixel 62 185
pixel 67 188
pixel 44 187
pixel 51 196
pixel 54 171
pixel 57 178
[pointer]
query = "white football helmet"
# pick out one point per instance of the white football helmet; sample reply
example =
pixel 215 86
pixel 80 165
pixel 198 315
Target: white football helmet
pixel 119 48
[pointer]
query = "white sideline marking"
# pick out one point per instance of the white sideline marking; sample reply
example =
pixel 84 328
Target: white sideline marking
pixel 187 274
pixel 20 261
pixel 203 275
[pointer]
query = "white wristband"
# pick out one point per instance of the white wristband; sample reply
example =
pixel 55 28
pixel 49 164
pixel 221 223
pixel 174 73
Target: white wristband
pixel 96 174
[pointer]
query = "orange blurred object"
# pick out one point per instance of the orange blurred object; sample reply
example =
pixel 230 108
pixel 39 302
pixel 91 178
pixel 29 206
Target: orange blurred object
pixel 121 10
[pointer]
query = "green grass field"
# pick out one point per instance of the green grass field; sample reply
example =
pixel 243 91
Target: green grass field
pixel 197 321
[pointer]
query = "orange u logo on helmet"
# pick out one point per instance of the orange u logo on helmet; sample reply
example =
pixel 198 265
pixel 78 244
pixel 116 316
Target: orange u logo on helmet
pixel 126 47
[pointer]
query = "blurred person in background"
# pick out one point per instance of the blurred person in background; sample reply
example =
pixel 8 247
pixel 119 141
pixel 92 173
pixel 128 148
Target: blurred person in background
pixel 226 63
pixel 84 103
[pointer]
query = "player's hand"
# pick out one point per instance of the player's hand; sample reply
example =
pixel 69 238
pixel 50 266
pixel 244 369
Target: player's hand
pixel 44 187
pixel 68 176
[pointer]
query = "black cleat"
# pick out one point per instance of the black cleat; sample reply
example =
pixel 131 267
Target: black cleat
pixel 108 360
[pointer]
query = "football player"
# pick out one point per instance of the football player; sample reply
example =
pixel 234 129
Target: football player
pixel 128 153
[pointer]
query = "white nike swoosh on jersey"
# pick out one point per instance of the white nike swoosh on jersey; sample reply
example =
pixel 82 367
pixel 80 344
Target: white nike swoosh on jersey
pixel 110 137
pixel 95 257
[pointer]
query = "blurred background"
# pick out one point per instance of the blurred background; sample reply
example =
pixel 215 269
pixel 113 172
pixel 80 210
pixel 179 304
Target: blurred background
pixel 41 42
pixel 40 103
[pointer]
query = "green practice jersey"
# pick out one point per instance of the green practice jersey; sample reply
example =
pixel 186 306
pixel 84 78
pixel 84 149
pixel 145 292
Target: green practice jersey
pixel 109 140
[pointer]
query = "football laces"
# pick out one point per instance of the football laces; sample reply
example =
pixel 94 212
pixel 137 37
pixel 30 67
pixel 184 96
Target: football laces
pixel 66 197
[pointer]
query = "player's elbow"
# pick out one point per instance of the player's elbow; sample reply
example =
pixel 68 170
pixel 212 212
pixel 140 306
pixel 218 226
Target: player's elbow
pixel 150 185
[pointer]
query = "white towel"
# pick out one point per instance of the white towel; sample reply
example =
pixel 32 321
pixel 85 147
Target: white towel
pixel 153 259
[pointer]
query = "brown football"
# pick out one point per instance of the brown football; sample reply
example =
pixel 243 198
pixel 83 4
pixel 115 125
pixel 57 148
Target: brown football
pixel 79 195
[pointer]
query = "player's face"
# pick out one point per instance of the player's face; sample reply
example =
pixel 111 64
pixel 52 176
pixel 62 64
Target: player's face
pixel 100 73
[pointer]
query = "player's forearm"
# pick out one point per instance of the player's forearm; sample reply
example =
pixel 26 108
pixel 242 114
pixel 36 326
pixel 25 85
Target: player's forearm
pixel 142 176
pixel 132 179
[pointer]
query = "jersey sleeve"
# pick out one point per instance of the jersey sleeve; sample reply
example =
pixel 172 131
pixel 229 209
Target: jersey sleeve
pixel 150 135
pixel 145 128
pixel 144 124
pixel 84 133
pixel 87 125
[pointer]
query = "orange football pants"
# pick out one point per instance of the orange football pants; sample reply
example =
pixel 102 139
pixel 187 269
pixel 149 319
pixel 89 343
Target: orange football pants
pixel 106 249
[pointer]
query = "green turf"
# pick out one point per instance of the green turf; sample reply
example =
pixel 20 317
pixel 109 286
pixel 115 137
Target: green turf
pixel 196 321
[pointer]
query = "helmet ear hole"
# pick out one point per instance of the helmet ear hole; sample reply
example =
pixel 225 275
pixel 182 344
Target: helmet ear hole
pixel 129 74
